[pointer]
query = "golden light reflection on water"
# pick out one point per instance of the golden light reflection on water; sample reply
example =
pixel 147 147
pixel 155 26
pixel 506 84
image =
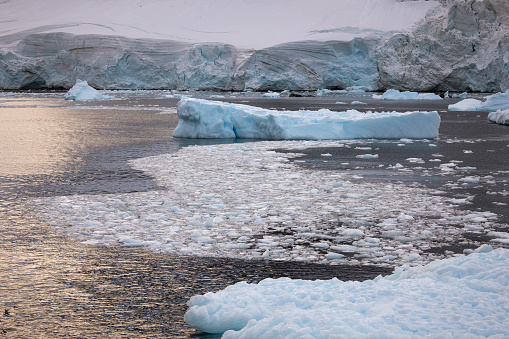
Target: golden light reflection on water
pixel 34 137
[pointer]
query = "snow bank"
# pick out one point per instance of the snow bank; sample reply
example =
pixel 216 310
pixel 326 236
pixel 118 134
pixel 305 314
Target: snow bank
pixel 81 91
pixel 462 297
pixel 394 94
pixel 499 117
pixel 498 101
pixel 243 24
pixel 200 118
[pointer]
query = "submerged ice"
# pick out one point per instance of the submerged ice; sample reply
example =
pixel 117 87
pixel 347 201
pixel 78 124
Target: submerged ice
pixel 200 118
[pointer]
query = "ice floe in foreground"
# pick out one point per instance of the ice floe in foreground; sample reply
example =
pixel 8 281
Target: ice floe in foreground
pixel 200 118
pixel 462 297
pixel 81 91
pixel 394 94
pixel 247 201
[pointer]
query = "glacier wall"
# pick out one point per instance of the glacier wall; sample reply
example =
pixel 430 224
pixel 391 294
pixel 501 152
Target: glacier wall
pixel 463 46
pixel 56 60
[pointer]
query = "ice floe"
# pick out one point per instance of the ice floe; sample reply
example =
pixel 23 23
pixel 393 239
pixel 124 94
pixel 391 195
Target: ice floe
pixel 499 117
pixel 495 102
pixel 394 94
pixel 462 297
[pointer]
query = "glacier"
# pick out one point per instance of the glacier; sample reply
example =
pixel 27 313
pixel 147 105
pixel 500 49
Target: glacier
pixel 379 45
pixel 461 46
pixel 200 118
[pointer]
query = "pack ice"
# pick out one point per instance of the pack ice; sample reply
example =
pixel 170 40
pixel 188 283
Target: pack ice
pixel 461 297
pixel 199 118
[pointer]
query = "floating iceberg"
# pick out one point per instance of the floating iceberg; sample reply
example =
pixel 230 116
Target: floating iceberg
pixel 453 298
pixel 498 101
pixel 394 94
pixel 466 105
pixel 199 118
pixel 81 91
pixel 499 117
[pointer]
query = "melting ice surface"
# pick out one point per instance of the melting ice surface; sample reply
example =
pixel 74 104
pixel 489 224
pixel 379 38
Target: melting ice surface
pixel 461 297
pixel 199 118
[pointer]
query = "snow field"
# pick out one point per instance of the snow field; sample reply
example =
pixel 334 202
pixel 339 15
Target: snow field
pixel 462 297
pixel 199 118
pixel 247 201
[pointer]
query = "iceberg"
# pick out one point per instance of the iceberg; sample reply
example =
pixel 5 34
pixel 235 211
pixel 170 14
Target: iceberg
pixel 81 91
pixel 459 297
pixel 466 105
pixel 498 101
pixel 199 118
pixel 394 94
pixel 499 117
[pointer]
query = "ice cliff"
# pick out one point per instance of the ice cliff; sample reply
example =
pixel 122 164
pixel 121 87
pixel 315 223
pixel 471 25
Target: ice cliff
pixel 56 60
pixel 460 45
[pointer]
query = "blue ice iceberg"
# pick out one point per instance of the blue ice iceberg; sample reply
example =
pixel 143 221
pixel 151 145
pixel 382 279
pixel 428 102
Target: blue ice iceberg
pixel 199 118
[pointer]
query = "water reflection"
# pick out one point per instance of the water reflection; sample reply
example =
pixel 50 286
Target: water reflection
pixel 54 287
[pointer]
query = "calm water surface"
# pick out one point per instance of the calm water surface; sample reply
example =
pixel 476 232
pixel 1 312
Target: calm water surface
pixel 54 287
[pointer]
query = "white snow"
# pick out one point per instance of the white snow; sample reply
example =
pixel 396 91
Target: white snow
pixel 247 201
pixel 499 117
pixel 394 94
pixel 200 118
pixel 81 91
pixel 240 23
pixel 462 297
pixel 495 102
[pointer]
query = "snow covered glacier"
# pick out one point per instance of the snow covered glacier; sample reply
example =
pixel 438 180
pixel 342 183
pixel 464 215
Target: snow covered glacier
pixel 461 45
